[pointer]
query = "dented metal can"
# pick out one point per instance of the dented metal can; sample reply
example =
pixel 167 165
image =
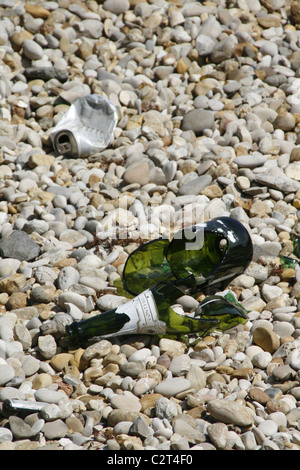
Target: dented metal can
pixel 86 128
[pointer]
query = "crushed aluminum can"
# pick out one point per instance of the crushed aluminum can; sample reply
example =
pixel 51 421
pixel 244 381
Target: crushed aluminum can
pixel 86 128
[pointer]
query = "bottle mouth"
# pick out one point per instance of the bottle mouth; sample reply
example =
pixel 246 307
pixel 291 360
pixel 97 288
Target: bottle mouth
pixel 72 332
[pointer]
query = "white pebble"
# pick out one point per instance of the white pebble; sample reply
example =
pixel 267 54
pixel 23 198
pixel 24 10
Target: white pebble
pixel 268 427
pixel 295 359
pixel 270 292
pixel 262 359
pixel 252 350
pixel 140 355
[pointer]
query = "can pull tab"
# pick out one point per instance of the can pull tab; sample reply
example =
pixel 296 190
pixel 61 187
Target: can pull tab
pixel 65 143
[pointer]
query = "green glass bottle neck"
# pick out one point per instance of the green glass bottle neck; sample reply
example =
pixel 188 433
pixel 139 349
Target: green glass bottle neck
pixel 151 313
pixel 139 315
pixel 104 324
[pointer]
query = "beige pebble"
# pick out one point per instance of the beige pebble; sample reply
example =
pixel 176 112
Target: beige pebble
pixel 91 374
pixel 18 37
pixel 17 300
pixel 293 170
pixel 118 415
pixel 260 208
pixel 266 339
pixel 60 361
pixel 64 44
pixel 258 395
pixel 243 182
pixel 231 412
pixel 212 191
pixel 137 173
pixel 13 283
pixel 40 160
pixel 3 298
pixel 37 11
pixel 44 111
pixel 42 380
pixel 172 347
pixel 148 401
pixel 129 442
pixel 182 65
pixel 254 303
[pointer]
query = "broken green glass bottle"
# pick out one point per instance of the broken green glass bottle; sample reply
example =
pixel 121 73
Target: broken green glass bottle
pixel 204 258
pixel 151 312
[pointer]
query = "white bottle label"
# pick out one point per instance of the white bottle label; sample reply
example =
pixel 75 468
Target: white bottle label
pixel 143 314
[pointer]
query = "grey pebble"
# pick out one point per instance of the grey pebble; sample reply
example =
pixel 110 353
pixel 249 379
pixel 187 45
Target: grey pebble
pixel 250 161
pixel 30 366
pixel 184 429
pixel 5 435
pixel 67 277
pixel 205 45
pixel 115 6
pixel 7 373
pixel 165 408
pixel 173 386
pixel 32 49
pixel 56 429
pixel 19 428
pixel 180 365
pixel 44 274
pixel 195 186
pixel 140 428
pixel 47 346
pixel 280 182
pixel 49 396
pixel 198 120
pixel 133 369
pixel 19 246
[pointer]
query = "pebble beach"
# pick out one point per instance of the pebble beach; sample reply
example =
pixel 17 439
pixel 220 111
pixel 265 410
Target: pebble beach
pixel 208 101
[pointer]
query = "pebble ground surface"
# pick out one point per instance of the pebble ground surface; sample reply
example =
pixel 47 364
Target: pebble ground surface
pixel 208 99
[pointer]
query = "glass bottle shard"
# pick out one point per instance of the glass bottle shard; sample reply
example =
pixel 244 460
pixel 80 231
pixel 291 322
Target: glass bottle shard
pixel 220 250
